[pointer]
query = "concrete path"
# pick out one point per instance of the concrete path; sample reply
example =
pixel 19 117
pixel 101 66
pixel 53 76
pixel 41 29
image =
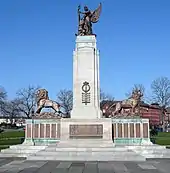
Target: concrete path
pixel 12 165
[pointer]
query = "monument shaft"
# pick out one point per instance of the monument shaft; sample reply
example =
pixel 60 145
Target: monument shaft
pixel 86 90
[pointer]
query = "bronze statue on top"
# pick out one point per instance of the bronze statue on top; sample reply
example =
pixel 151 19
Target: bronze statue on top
pixel 89 17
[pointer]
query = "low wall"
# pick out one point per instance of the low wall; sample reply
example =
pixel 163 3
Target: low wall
pixel 130 131
pixel 42 131
pixel 124 131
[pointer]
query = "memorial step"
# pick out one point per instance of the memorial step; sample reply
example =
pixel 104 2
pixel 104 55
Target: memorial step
pixel 85 153
pixel 85 143
pixel 85 149
pixel 145 147
pixel 21 150
pixel 13 151
pixel 8 155
pixel 151 151
pixel 131 156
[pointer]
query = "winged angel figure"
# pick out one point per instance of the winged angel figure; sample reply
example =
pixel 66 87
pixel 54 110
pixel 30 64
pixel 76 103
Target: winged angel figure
pixel 89 17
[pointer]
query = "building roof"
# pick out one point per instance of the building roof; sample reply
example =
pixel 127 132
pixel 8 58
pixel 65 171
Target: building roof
pixel 108 103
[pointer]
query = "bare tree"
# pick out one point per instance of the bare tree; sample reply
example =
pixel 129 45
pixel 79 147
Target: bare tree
pixel 11 109
pixel 3 96
pixel 105 96
pixel 136 87
pixel 65 98
pixel 161 94
pixel 161 91
pixel 26 99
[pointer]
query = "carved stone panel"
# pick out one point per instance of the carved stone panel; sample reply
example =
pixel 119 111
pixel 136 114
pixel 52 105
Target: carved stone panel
pixel 86 131
pixel 86 93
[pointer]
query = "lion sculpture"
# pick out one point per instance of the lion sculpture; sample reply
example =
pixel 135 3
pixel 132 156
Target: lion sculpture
pixel 133 101
pixel 44 102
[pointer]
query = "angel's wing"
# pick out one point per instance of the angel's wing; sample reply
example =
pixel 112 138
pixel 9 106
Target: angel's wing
pixel 96 14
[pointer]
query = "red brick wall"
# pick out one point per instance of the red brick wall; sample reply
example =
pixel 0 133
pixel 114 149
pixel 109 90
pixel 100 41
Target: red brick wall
pixel 154 115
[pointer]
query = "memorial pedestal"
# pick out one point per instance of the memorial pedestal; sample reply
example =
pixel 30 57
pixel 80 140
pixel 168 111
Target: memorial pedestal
pixel 86 89
pixel 86 129
pixel 131 131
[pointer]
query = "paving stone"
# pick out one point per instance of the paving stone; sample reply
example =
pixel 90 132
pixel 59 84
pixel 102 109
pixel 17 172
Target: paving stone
pixel 76 169
pixel 163 166
pixel 48 167
pixel 2 170
pixel 146 166
pixel 38 164
pixel 29 170
pixel 65 165
pixel 14 169
pixel 90 167
pixel 17 162
pixel 133 167
pixel 119 167
pixel 105 167
pixel 60 170
pixel 5 161
pixel 79 164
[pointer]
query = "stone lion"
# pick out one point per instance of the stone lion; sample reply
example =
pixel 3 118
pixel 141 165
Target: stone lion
pixel 132 101
pixel 44 102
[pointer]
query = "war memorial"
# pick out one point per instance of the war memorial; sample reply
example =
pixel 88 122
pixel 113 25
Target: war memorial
pixel 87 135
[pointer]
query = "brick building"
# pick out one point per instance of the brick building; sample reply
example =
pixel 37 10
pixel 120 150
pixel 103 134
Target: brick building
pixel 151 111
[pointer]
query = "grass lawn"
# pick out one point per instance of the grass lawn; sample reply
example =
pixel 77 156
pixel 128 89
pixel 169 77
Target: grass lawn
pixel 12 134
pixel 10 141
pixel 3 147
pixel 11 138
pixel 163 138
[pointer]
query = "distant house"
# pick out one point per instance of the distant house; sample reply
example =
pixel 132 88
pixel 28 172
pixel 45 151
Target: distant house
pixel 167 115
pixel 19 121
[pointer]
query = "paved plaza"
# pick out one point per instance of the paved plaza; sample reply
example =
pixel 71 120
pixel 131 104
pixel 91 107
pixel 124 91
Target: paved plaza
pixel 12 165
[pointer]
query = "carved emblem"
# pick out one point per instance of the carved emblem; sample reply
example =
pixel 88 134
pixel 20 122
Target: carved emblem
pixel 86 93
pixel 86 87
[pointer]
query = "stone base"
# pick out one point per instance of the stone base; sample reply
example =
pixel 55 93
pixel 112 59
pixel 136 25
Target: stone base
pixel 86 129
pixel 42 131
pixel 131 131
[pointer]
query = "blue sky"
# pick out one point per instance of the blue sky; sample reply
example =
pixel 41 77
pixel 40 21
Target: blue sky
pixel 37 40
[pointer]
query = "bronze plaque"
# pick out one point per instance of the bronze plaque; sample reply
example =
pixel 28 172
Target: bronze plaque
pixel 126 130
pixel 132 130
pixel 53 130
pixel 119 130
pixel 145 130
pixel 41 130
pixel 138 130
pixel 86 131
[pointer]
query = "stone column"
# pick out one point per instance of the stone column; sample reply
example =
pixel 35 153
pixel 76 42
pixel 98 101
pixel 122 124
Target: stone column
pixel 128 130
pixel 45 130
pixel 123 130
pixel 86 90
pixel 116 124
pixel 141 130
pixel 134 130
